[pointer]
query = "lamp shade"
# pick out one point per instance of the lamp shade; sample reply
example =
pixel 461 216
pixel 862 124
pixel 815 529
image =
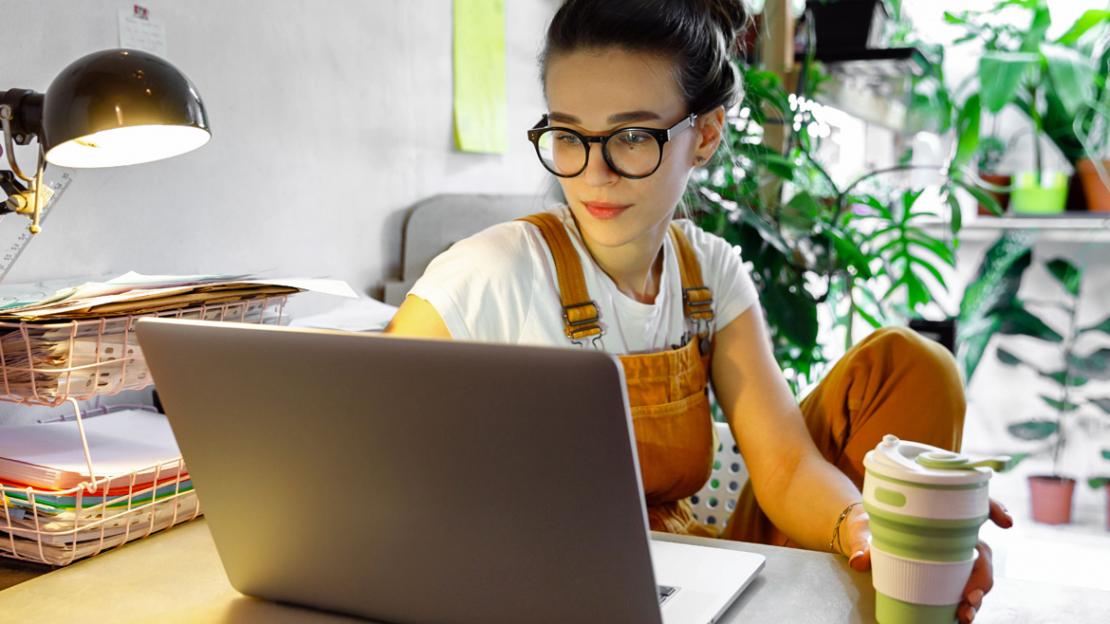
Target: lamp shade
pixel 121 107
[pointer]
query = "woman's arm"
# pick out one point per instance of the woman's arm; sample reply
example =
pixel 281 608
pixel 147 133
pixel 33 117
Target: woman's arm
pixel 417 317
pixel 800 492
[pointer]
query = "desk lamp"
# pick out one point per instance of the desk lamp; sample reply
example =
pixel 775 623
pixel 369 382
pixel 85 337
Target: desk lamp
pixel 111 108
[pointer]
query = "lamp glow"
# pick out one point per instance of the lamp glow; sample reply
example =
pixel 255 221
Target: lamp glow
pixel 127 146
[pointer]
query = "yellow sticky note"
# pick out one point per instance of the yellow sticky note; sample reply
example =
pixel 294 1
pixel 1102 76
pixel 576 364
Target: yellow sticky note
pixel 480 102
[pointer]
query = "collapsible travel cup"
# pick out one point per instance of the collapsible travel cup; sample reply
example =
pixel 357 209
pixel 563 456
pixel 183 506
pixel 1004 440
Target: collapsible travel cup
pixel 926 505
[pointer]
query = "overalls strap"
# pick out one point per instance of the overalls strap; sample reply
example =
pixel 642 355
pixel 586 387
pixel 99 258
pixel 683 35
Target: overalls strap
pixel 697 299
pixel 581 314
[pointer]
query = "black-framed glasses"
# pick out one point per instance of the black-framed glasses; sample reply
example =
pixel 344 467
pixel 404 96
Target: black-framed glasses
pixel 630 152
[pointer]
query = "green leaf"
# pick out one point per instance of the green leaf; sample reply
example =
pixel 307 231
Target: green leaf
pixel 800 213
pixel 955 214
pixel 1033 429
pixel 1072 75
pixel 1098 482
pixel 995 287
pixel 1093 366
pixel 999 76
pixel 981 196
pixel 1058 405
pixel 1103 403
pixel 1087 21
pixel 795 313
pixel 1103 326
pixel 766 230
pixel 1015 459
pixel 1106 453
pixel 1068 378
pixel 848 250
pixel 967 131
pixel 940 249
pixel 871 320
pixel 952 18
pixel 1016 320
pixel 909 198
pixel 1069 276
pixel 915 261
pixel 1007 358
pixel 779 165
pixel 1042 19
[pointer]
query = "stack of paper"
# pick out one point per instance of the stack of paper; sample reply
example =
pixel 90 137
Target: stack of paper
pixel 134 293
pixel 77 341
pixel 137 478
pixel 51 455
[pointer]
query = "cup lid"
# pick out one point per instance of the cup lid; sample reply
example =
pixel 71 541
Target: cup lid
pixel 922 463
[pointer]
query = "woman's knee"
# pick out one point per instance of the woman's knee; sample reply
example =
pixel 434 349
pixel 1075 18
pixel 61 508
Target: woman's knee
pixel 919 360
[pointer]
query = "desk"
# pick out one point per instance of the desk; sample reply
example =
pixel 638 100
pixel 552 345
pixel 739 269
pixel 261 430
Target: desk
pixel 176 576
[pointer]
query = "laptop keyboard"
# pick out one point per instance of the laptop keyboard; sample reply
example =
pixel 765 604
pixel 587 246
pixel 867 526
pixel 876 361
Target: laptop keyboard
pixel 665 592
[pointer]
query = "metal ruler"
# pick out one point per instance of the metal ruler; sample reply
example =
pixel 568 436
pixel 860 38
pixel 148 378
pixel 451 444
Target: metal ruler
pixel 14 250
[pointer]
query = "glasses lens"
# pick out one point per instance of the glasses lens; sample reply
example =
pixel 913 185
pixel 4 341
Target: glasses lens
pixel 562 152
pixel 634 152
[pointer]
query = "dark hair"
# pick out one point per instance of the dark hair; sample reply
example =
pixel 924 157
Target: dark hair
pixel 697 35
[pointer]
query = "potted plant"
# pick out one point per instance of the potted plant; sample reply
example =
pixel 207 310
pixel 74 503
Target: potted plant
pixel 988 158
pixel 992 306
pixel 1060 85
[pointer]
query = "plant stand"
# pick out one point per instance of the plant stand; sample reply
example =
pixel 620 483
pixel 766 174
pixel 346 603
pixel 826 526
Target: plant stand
pixel 1050 498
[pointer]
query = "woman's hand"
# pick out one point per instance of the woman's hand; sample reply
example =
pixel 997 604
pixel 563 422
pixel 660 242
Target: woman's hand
pixel 856 536
pixel 982 575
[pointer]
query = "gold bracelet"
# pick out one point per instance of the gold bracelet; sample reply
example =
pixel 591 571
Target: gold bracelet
pixel 834 543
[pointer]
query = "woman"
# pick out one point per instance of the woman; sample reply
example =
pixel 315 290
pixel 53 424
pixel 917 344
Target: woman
pixel 637 94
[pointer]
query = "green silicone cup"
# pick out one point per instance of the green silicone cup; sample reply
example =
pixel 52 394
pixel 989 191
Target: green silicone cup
pixel 893 611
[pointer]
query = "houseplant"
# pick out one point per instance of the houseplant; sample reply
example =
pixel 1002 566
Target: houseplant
pixel 991 307
pixel 988 158
pixel 1060 86
pixel 857 250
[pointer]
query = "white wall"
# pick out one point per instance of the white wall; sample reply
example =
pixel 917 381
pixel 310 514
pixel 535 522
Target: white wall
pixel 329 119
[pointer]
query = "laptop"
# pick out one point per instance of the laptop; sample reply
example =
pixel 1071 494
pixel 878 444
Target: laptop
pixel 409 480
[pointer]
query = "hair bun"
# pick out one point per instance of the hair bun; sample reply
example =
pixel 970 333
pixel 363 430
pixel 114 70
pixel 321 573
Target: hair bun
pixel 729 15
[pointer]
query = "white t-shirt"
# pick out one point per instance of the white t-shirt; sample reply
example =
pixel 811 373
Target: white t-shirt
pixel 500 286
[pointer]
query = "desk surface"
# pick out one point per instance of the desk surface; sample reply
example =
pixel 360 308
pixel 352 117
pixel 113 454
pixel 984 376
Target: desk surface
pixel 176 576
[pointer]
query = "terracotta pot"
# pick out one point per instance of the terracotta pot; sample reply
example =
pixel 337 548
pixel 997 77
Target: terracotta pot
pixel 1098 196
pixel 1051 498
pixel 1003 199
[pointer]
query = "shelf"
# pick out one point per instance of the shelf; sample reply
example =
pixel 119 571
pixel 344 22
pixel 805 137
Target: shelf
pixel 1067 228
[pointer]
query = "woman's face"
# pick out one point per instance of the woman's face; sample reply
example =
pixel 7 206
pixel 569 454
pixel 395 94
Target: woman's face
pixel 597 91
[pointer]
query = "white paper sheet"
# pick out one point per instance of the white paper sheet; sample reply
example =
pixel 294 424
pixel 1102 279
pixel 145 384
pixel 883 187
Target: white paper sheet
pixel 362 314
pixel 51 456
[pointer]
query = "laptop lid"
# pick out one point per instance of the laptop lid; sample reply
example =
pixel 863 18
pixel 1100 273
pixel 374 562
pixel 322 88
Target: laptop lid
pixel 410 480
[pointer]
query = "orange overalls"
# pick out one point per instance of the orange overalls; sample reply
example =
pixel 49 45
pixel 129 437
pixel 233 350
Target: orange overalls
pixel 667 390
pixel 893 381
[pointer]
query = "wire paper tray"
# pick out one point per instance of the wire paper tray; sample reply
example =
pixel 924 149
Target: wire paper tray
pixel 49 363
pixel 57 527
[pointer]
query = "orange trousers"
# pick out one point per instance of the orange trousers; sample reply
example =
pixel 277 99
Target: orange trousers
pixel 893 381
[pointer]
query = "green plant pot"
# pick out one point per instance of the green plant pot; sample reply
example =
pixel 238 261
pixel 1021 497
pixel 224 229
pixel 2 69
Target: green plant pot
pixel 1049 197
